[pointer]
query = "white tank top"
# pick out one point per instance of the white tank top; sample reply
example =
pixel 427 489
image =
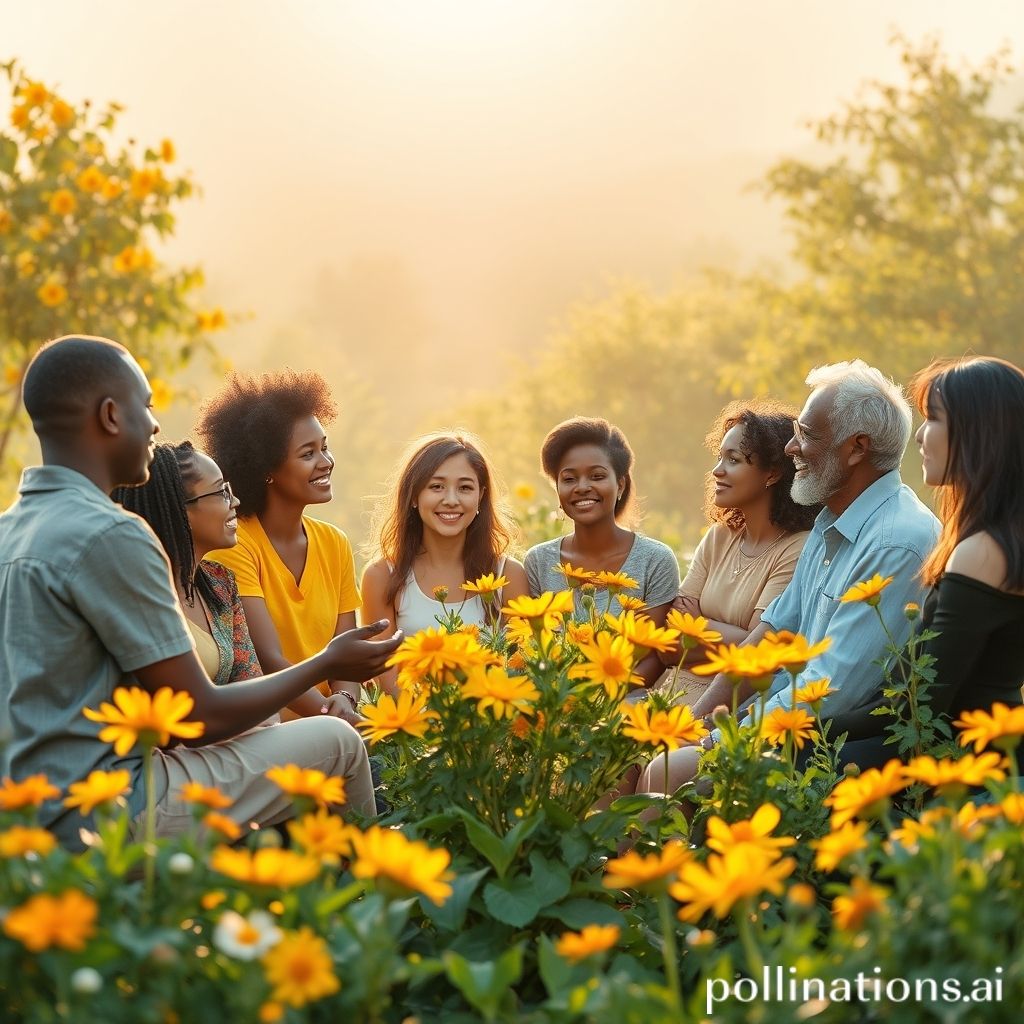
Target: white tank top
pixel 416 610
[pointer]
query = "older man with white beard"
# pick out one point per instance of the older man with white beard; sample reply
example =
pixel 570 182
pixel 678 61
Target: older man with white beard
pixel 847 444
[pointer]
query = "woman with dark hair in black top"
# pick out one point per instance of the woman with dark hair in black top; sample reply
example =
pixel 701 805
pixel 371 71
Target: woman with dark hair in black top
pixel 972 450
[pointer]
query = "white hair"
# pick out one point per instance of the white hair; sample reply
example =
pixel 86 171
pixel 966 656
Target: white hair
pixel 866 402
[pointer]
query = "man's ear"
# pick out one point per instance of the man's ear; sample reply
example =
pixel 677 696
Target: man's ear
pixel 109 416
pixel 860 449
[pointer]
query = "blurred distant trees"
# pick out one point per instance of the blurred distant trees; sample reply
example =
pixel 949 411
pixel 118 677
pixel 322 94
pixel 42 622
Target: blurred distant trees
pixel 908 244
pixel 77 217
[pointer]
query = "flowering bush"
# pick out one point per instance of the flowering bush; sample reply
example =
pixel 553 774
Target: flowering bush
pixel 506 885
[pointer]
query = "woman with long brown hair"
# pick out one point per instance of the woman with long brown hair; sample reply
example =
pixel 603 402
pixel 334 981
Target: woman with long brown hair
pixel 442 523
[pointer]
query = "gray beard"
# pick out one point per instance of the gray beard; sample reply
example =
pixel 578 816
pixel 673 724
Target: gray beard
pixel 815 488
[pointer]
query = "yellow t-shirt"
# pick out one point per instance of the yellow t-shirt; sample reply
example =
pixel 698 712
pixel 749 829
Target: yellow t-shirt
pixel 305 614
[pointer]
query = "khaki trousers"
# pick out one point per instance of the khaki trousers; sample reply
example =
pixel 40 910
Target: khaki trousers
pixel 237 768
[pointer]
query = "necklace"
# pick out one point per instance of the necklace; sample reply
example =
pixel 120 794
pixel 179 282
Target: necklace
pixel 757 556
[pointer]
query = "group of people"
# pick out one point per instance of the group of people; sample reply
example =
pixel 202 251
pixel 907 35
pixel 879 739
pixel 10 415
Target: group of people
pixel 241 586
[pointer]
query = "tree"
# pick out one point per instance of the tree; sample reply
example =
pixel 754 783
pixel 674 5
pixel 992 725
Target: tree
pixel 77 218
pixel 911 237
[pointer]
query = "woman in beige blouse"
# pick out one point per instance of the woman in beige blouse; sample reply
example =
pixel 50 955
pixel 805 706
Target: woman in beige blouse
pixel 748 555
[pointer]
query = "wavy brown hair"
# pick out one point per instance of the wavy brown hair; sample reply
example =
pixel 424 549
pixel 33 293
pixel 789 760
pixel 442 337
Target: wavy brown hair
pixel 983 483
pixel 767 428
pixel 399 529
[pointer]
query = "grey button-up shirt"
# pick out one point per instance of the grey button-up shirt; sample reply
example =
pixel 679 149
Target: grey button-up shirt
pixel 85 599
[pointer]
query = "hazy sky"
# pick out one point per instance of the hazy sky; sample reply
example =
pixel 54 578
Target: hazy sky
pixel 452 174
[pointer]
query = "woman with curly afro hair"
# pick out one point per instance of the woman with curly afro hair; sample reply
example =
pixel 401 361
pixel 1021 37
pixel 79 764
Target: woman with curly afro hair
pixel 757 532
pixel 295 574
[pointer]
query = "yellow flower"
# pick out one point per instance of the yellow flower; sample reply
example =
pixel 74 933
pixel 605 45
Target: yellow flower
pixel 793 650
pixel 19 840
pixel 956 776
pixel 783 722
pixel 534 608
pixel 52 293
pixel 631 604
pixel 754 662
pixel 1002 727
pixel 66 921
pixel 408 714
pixel 641 631
pixel 214 320
pixel 440 593
pixel 723 879
pixel 1012 808
pixel 322 835
pixel 126 261
pixel 92 179
pixel 693 630
pixel 246 938
pixel 35 94
pixel 593 939
pixel 669 728
pixel 137 717
pixel 144 181
pixel 308 782
pixel 650 871
pixel 753 833
pixel 40 229
pixel 30 792
pixel 61 113
pixel 912 610
pixel 411 866
pixel 524 492
pixel 516 662
pixel 221 823
pixel 579 633
pixel 575 577
pixel 616 582
pixel 486 586
pixel 208 796
pixel 299 969
pixel 26 263
pixel 98 788
pixel 505 695
pixel 833 849
pixel 869 591
pixel 63 202
pixel 5 221
pixel 863 899
pixel 213 899
pixel 269 865
pixel 436 653
pixel 270 1013
pixel 865 795
pixel 609 661
pixel 163 393
pixel 814 692
pixel 167 152
pixel 112 188
pixel 20 115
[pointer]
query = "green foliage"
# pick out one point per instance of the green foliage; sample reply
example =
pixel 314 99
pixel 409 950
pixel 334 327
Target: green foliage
pixel 78 214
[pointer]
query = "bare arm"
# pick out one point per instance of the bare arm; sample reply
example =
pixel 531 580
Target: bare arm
pixel 229 710
pixel 376 606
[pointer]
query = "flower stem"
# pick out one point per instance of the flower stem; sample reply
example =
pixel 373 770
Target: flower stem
pixel 670 952
pixel 750 950
pixel 150 830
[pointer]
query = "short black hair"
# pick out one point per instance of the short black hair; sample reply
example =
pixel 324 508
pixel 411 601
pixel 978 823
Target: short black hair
pixel 247 425
pixel 602 434
pixel 67 377
pixel 767 428
pixel 161 502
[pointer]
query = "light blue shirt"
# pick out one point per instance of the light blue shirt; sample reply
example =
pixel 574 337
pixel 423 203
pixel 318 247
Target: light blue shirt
pixel 886 530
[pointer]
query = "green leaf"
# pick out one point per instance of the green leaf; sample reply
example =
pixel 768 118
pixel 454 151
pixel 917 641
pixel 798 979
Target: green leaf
pixel 451 915
pixel 485 842
pixel 555 971
pixel 557 815
pixel 578 913
pixel 512 901
pixel 8 155
pixel 550 880
pixel 574 846
pixel 484 985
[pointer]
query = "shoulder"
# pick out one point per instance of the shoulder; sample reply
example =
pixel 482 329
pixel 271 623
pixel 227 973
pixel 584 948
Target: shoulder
pixel 652 550
pixel 794 543
pixel 325 533
pixel 513 569
pixel 909 521
pixel 377 574
pixel 220 576
pixel 980 558
pixel 546 551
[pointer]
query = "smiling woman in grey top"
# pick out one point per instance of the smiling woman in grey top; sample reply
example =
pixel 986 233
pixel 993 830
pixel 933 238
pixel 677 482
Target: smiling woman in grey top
pixel 591 464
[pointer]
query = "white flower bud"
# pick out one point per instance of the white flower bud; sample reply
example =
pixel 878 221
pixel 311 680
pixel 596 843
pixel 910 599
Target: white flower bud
pixel 86 981
pixel 181 864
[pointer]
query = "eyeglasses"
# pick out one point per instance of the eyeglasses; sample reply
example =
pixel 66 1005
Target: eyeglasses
pixel 224 491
